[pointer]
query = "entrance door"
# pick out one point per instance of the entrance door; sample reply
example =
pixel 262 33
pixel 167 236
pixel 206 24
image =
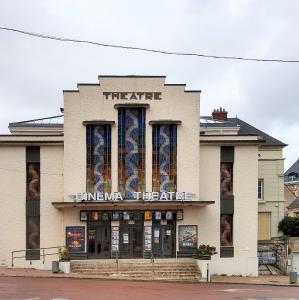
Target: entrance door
pixel 131 239
pixel 163 242
pixel 99 239
pixel 264 221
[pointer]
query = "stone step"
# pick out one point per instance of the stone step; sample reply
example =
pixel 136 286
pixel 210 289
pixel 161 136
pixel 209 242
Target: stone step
pixel 137 272
pixel 150 276
pixel 161 269
pixel 135 262
pixel 128 268
pixel 134 267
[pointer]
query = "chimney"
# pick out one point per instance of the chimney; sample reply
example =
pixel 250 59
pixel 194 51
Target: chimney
pixel 219 114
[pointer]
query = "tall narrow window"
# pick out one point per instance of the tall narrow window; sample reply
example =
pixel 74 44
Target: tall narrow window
pixel 98 173
pixel 131 151
pixel 164 175
pixel 226 201
pixel 260 189
pixel 226 176
pixel 32 203
pixel 226 230
pixel 33 182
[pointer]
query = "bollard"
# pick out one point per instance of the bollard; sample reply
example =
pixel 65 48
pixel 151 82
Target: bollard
pixel 55 266
pixel 293 277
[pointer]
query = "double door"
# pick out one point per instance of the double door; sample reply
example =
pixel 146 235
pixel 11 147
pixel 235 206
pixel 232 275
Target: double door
pixel 131 239
pixel 163 238
pixel 99 239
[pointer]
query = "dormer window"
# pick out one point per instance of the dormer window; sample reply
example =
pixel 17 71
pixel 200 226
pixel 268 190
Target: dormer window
pixel 293 176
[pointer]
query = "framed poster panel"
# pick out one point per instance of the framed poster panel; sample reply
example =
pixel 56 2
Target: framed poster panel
pixel 115 215
pixel 180 215
pixel 157 215
pixel 147 215
pixel 83 215
pixel 75 238
pixel 187 237
pixel 169 215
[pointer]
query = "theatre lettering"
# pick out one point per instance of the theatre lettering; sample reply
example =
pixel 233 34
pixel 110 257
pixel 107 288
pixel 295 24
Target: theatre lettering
pixel 144 196
pixel 132 95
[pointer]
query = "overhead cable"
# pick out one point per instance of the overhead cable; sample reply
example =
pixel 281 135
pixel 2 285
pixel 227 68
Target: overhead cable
pixel 62 39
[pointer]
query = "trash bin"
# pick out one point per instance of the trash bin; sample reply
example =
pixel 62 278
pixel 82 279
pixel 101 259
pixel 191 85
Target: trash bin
pixel 293 277
pixel 55 266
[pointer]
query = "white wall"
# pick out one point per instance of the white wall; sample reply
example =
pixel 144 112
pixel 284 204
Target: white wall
pixel 13 201
pixel 244 261
pixel 51 219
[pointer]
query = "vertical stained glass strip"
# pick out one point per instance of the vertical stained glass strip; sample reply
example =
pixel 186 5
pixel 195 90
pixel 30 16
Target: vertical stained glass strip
pixel 131 151
pixel 164 158
pixel 33 179
pixel 98 173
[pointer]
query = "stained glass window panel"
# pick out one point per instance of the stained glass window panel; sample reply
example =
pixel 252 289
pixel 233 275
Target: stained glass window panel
pixel 131 151
pixel 164 173
pixel 98 173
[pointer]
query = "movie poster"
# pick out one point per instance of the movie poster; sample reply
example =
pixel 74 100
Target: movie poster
pixel 75 238
pixel 147 238
pixel 115 238
pixel 187 237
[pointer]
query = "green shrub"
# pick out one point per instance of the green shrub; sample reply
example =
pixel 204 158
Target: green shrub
pixel 205 250
pixel 289 226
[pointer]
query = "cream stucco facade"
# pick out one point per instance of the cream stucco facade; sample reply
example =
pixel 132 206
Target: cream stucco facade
pixel 199 155
pixel 271 167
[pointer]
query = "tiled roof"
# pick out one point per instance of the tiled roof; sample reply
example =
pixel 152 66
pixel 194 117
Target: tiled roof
pixel 245 129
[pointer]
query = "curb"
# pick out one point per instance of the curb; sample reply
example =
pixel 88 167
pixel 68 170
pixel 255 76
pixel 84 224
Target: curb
pixel 146 280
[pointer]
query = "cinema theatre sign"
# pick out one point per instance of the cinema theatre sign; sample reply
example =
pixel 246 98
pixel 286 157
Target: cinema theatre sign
pixel 142 196
pixel 132 95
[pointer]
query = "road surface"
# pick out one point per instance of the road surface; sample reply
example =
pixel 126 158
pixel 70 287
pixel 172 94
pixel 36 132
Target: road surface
pixel 20 288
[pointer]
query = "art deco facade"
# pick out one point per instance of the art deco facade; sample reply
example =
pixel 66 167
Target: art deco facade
pixel 132 171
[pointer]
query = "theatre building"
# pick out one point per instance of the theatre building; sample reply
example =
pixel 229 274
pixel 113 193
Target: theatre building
pixel 130 170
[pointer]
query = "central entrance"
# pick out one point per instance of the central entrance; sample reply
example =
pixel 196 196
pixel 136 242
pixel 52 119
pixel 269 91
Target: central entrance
pixel 99 239
pixel 130 234
pixel 131 227
pixel 131 239
pixel 163 238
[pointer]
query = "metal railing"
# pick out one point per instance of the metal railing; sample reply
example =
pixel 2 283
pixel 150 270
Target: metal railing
pixel 42 253
pixel 116 256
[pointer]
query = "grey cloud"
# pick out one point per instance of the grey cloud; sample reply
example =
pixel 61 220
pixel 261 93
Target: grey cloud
pixel 33 72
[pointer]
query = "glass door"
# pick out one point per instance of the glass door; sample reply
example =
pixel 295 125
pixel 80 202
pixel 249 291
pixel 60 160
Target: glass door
pixel 163 240
pixel 99 239
pixel 131 239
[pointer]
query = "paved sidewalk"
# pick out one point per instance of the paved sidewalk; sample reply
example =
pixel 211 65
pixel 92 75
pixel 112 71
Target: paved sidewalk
pixel 261 280
pixel 282 280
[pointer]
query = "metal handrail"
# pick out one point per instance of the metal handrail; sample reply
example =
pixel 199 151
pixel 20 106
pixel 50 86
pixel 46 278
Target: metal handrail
pixel 43 255
pixel 116 260
pixel 153 261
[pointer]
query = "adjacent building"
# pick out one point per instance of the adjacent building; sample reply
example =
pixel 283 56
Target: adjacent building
pixel 291 190
pixel 131 170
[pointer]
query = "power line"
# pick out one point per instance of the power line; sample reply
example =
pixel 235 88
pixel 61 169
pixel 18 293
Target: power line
pixel 62 39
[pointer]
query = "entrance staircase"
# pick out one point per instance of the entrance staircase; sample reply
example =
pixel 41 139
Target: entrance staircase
pixel 184 269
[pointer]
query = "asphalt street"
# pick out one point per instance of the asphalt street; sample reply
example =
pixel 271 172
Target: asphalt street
pixel 19 288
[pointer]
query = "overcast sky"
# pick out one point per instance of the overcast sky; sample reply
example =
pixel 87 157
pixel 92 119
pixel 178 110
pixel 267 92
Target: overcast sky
pixel 33 72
